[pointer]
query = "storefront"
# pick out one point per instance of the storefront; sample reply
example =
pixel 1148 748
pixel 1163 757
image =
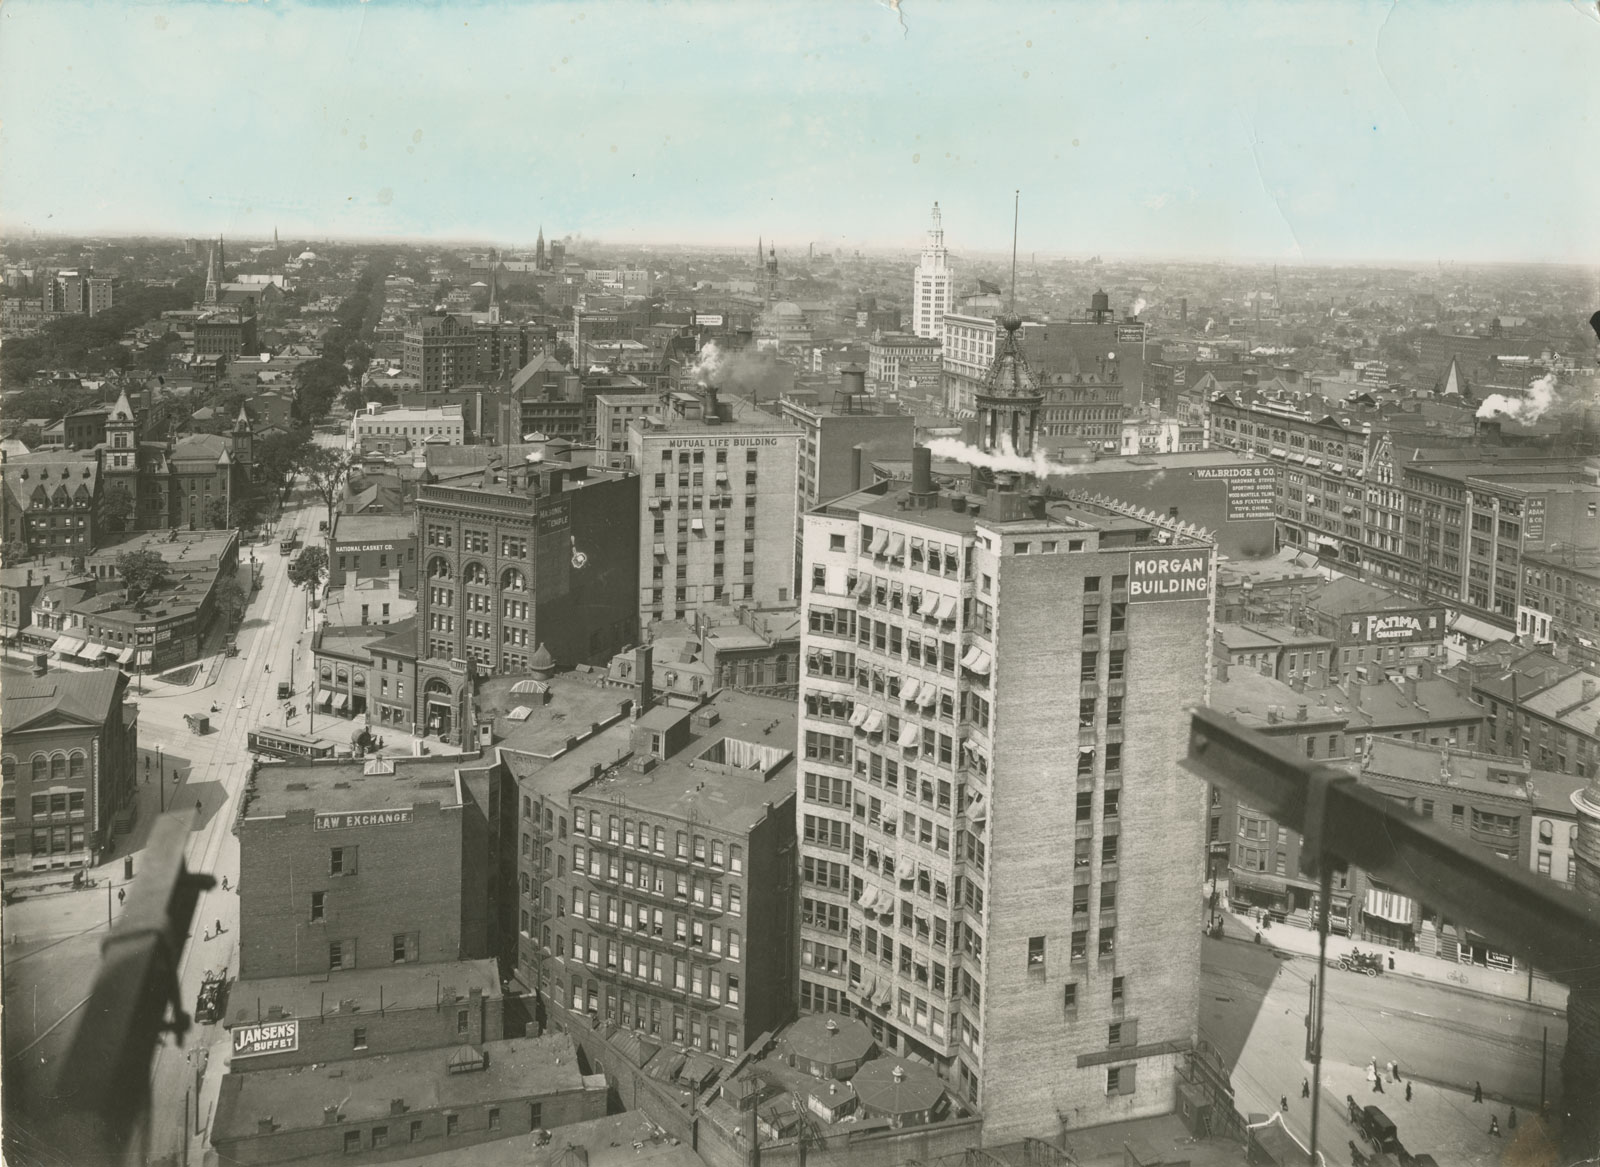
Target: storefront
pixel 1389 918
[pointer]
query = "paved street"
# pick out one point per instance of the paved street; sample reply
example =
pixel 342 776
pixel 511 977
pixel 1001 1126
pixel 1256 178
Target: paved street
pixel 1253 1005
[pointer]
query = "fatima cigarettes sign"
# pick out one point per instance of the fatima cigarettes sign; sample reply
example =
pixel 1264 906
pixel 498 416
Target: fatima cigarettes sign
pixel 1168 575
pixel 274 1037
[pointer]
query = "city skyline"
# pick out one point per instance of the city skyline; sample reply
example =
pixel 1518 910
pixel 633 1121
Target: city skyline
pixel 1188 131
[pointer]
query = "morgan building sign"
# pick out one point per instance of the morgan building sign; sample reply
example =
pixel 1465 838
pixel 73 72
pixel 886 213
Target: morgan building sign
pixel 1169 575
pixel 274 1037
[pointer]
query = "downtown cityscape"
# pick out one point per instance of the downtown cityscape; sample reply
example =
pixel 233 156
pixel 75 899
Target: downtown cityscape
pixel 586 677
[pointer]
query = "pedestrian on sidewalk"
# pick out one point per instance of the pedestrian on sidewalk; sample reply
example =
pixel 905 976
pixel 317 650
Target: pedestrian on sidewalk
pixel 1408 1091
pixel 1391 961
pixel 220 928
pixel 1372 1077
pixel 1494 1127
pixel 1394 1074
pixel 1477 1092
pixel 1283 1103
pixel 224 883
pixel 1511 1121
pixel 122 895
pixel 1305 1087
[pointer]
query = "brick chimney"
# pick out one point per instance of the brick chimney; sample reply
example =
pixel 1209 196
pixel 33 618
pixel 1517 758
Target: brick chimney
pixel 644 657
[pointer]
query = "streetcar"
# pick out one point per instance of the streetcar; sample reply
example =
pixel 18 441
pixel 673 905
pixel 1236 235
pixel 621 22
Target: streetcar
pixel 271 742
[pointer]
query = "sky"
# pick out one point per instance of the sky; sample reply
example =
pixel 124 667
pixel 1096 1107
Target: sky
pixel 1314 132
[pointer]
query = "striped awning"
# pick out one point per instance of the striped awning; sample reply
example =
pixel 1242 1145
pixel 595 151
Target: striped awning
pixel 1390 906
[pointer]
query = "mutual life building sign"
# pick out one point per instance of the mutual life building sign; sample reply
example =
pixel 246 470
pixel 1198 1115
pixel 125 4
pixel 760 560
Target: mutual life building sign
pixel 1169 575
pixel 272 1037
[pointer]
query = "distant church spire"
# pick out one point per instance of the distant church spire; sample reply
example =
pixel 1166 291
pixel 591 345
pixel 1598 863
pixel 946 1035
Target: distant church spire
pixel 213 284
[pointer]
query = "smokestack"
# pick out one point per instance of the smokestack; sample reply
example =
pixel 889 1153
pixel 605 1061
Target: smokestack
pixel 922 487
pixel 644 660
pixel 857 458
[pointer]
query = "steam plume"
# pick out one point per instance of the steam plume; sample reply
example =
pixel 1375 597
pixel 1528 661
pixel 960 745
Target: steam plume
pixel 753 373
pixel 1541 396
pixel 1139 305
pixel 1007 460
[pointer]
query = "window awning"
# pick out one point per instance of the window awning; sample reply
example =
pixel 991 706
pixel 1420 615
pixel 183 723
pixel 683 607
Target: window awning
pixel 946 609
pixel 859 715
pixel 1478 629
pixel 863 586
pixel 324 696
pixel 930 695
pixel 661 549
pixel 655 504
pixel 908 737
pixel 970 657
pixel 1278 452
pixel 874 721
pixel 125 655
pixel 897 546
pixel 343 703
pixel 697 524
pixel 879 542
pixel 982 664
pixel 1297 457
pixel 1390 906
pixel 1313 461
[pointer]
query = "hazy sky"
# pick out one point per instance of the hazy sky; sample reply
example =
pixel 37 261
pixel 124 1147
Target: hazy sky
pixel 1313 131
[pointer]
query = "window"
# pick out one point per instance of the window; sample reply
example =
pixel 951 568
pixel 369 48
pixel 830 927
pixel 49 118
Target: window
pixel 1036 952
pixel 452 1124
pixel 405 948
pixel 1069 997
pixel 319 905
pixel 358 1037
pixel 536 1115
pixel 416 1130
pixel 1120 1079
pixel 341 954
pixel 1119 990
pixel 352 1142
pixel 380 1136
pixel 342 861
pixel 494 1118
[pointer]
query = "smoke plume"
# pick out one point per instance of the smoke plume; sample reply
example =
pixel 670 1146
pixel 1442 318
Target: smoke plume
pixel 1006 461
pixel 751 373
pixel 1140 305
pixel 1541 396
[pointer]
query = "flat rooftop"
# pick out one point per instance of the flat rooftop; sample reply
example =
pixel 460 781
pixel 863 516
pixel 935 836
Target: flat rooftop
pixel 572 705
pixel 365 1087
pixel 629 1138
pixel 345 785
pixel 402 986
pixel 172 546
pixel 689 784
pixel 361 528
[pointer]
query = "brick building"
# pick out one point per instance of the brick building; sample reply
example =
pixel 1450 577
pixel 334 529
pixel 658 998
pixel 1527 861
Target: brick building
pixel 371 546
pixel 1539 708
pixel 441 352
pixel 352 865
pixel 671 909
pixel 228 333
pixel 1560 602
pixel 934 805
pixel 69 748
pixel 717 479
pixel 366 1013
pixel 409 1104
pixel 540 553
pixel 51 502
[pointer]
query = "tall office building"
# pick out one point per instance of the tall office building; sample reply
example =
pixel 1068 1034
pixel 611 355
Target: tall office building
pixel 1000 875
pixel 933 285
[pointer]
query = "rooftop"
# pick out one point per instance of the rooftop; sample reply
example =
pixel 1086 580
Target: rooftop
pixel 1476 772
pixel 572 704
pixel 729 773
pixel 619 1139
pixel 364 1089
pixel 361 528
pixel 345 785
pixel 173 546
pixel 402 986
pixel 83 697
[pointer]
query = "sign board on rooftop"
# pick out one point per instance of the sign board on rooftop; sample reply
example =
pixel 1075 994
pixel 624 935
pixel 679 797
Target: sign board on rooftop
pixel 1176 574
pixel 271 1037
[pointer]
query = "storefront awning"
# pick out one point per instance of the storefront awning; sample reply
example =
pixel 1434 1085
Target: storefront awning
pixel 343 704
pixel 1390 906
pixel 1257 881
pixel 1479 629
pixel 324 696
pixel 125 655
pixel 67 645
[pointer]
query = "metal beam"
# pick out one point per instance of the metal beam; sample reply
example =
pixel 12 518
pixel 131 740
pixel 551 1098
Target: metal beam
pixel 1553 929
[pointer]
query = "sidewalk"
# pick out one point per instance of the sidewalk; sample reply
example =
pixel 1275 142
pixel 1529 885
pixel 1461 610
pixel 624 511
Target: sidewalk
pixel 1462 978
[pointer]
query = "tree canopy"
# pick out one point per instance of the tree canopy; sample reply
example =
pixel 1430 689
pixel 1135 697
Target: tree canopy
pixel 142 572
pixel 308 568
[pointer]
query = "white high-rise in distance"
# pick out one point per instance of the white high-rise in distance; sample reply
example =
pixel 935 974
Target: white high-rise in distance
pixel 933 286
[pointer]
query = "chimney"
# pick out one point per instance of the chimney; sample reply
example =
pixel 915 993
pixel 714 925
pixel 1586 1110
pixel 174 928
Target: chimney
pixel 858 457
pixel 644 670
pixel 397 1106
pixel 1589 690
pixel 922 488
pixel 1300 712
pixel 1410 686
pixel 1221 670
pixel 330 1115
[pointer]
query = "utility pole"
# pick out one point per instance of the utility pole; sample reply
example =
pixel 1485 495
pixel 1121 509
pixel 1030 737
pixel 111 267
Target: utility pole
pixel 161 780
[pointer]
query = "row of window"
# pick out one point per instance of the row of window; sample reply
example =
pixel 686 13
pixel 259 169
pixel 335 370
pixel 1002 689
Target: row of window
pixel 48 767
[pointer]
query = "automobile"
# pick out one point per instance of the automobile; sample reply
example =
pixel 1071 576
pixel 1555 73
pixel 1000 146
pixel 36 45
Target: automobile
pixel 1379 1131
pixel 285 690
pixel 212 1000
pixel 1370 963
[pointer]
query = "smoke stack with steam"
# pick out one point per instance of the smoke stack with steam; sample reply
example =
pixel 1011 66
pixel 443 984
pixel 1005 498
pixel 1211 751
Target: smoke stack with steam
pixel 1540 397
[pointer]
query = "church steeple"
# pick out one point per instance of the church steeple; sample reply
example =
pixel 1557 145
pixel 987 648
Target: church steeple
pixel 538 250
pixel 213 281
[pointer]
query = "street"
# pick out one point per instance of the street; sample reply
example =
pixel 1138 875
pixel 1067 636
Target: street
pixel 1252 1010
pixel 53 940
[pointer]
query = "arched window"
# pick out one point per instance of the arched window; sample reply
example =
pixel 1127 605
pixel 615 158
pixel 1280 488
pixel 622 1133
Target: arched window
pixel 58 766
pixel 41 768
pixel 475 573
pixel 437 687
pixel 343 674
pixel 77 764
pixel 512 580
pixel 439 567
pixel 8 767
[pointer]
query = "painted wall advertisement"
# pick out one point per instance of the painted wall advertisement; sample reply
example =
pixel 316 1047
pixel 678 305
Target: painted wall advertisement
pixel 1401 627
pixel 1169 575
pixel 1251 489
pixel 272 1037
pixel 344 820
pixel 1533 523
